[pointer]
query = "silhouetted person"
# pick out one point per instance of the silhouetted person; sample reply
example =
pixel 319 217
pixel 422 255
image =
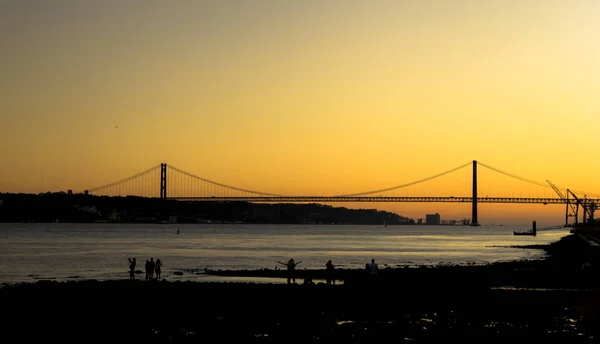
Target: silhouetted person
pixel 132 264
pixel 147 268
pixel 291 269
pixel 157 269
pixel 329 269
pixel 373 268
pixel 151 267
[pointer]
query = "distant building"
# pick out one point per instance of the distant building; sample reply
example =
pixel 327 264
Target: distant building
pixel 420 221
pixel 432 219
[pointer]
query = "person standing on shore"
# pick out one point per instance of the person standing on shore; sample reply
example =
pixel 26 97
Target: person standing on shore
pixel 147 268
pixel 157 269
pixel 329 269
pixel 132 264
pixel 291 270
pixel 151 267
pixel 373 268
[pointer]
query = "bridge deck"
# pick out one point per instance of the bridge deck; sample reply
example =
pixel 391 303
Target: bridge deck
pixel 341 199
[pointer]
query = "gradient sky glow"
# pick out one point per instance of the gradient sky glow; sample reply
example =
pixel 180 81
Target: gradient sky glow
pixel 302 97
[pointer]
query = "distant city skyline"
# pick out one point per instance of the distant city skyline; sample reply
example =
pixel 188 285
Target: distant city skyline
pixel 304 97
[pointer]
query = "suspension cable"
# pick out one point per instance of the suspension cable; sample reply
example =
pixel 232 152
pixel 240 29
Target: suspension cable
pixel 220 184
pixel 407 184
pixel 154 168
pixel 514 176
pixel 141 174
pixel 545 185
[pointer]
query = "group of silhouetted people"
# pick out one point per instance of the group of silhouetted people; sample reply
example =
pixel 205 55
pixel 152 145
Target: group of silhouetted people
pixel 371 268
pixel 151 268
pixel 155 267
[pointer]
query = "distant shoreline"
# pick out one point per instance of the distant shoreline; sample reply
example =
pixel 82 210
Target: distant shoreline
pixel 508 227
pixel 252 223
pixel 80 208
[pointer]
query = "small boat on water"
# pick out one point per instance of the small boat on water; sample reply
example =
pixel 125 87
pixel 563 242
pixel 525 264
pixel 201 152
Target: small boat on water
pixel 532 233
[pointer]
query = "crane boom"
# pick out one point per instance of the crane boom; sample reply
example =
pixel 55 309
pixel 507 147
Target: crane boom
pixel 557 190
pixel 560 194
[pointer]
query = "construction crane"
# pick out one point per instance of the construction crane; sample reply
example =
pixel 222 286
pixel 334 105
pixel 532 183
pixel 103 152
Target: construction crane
pixel 566 198
pixel 589 206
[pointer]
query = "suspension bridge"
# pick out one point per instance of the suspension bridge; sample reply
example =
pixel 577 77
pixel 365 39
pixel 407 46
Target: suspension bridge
pixel 158 180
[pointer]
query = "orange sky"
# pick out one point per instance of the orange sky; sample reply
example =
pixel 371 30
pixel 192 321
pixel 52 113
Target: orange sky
pixel 303 97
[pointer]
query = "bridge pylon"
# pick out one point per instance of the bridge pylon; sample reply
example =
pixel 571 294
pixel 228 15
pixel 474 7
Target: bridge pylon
pixel 163 181
pixel 474 221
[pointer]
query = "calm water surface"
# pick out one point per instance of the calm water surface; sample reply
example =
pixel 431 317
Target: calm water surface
pixel 29 252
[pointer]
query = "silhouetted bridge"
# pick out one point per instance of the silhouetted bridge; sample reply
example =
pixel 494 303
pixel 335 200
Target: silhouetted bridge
pixel 153 183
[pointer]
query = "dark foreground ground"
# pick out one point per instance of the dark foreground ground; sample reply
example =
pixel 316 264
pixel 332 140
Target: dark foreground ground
pixel 443 304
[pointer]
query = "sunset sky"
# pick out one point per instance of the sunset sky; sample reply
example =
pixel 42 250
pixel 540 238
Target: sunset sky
pixel 304 97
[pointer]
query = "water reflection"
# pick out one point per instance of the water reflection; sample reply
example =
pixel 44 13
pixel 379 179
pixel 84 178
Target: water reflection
pixel 99 251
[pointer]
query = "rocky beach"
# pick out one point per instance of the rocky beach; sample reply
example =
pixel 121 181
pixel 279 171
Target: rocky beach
pixel 509 302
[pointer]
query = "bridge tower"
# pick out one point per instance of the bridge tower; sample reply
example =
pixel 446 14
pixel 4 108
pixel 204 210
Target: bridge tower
pixel 474 204
pixel 163 181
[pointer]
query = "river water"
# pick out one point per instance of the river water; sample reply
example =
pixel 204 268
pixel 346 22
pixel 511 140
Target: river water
pixel 30 252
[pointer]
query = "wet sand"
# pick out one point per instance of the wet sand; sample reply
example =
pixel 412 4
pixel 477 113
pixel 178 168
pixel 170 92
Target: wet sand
pixel 440 304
